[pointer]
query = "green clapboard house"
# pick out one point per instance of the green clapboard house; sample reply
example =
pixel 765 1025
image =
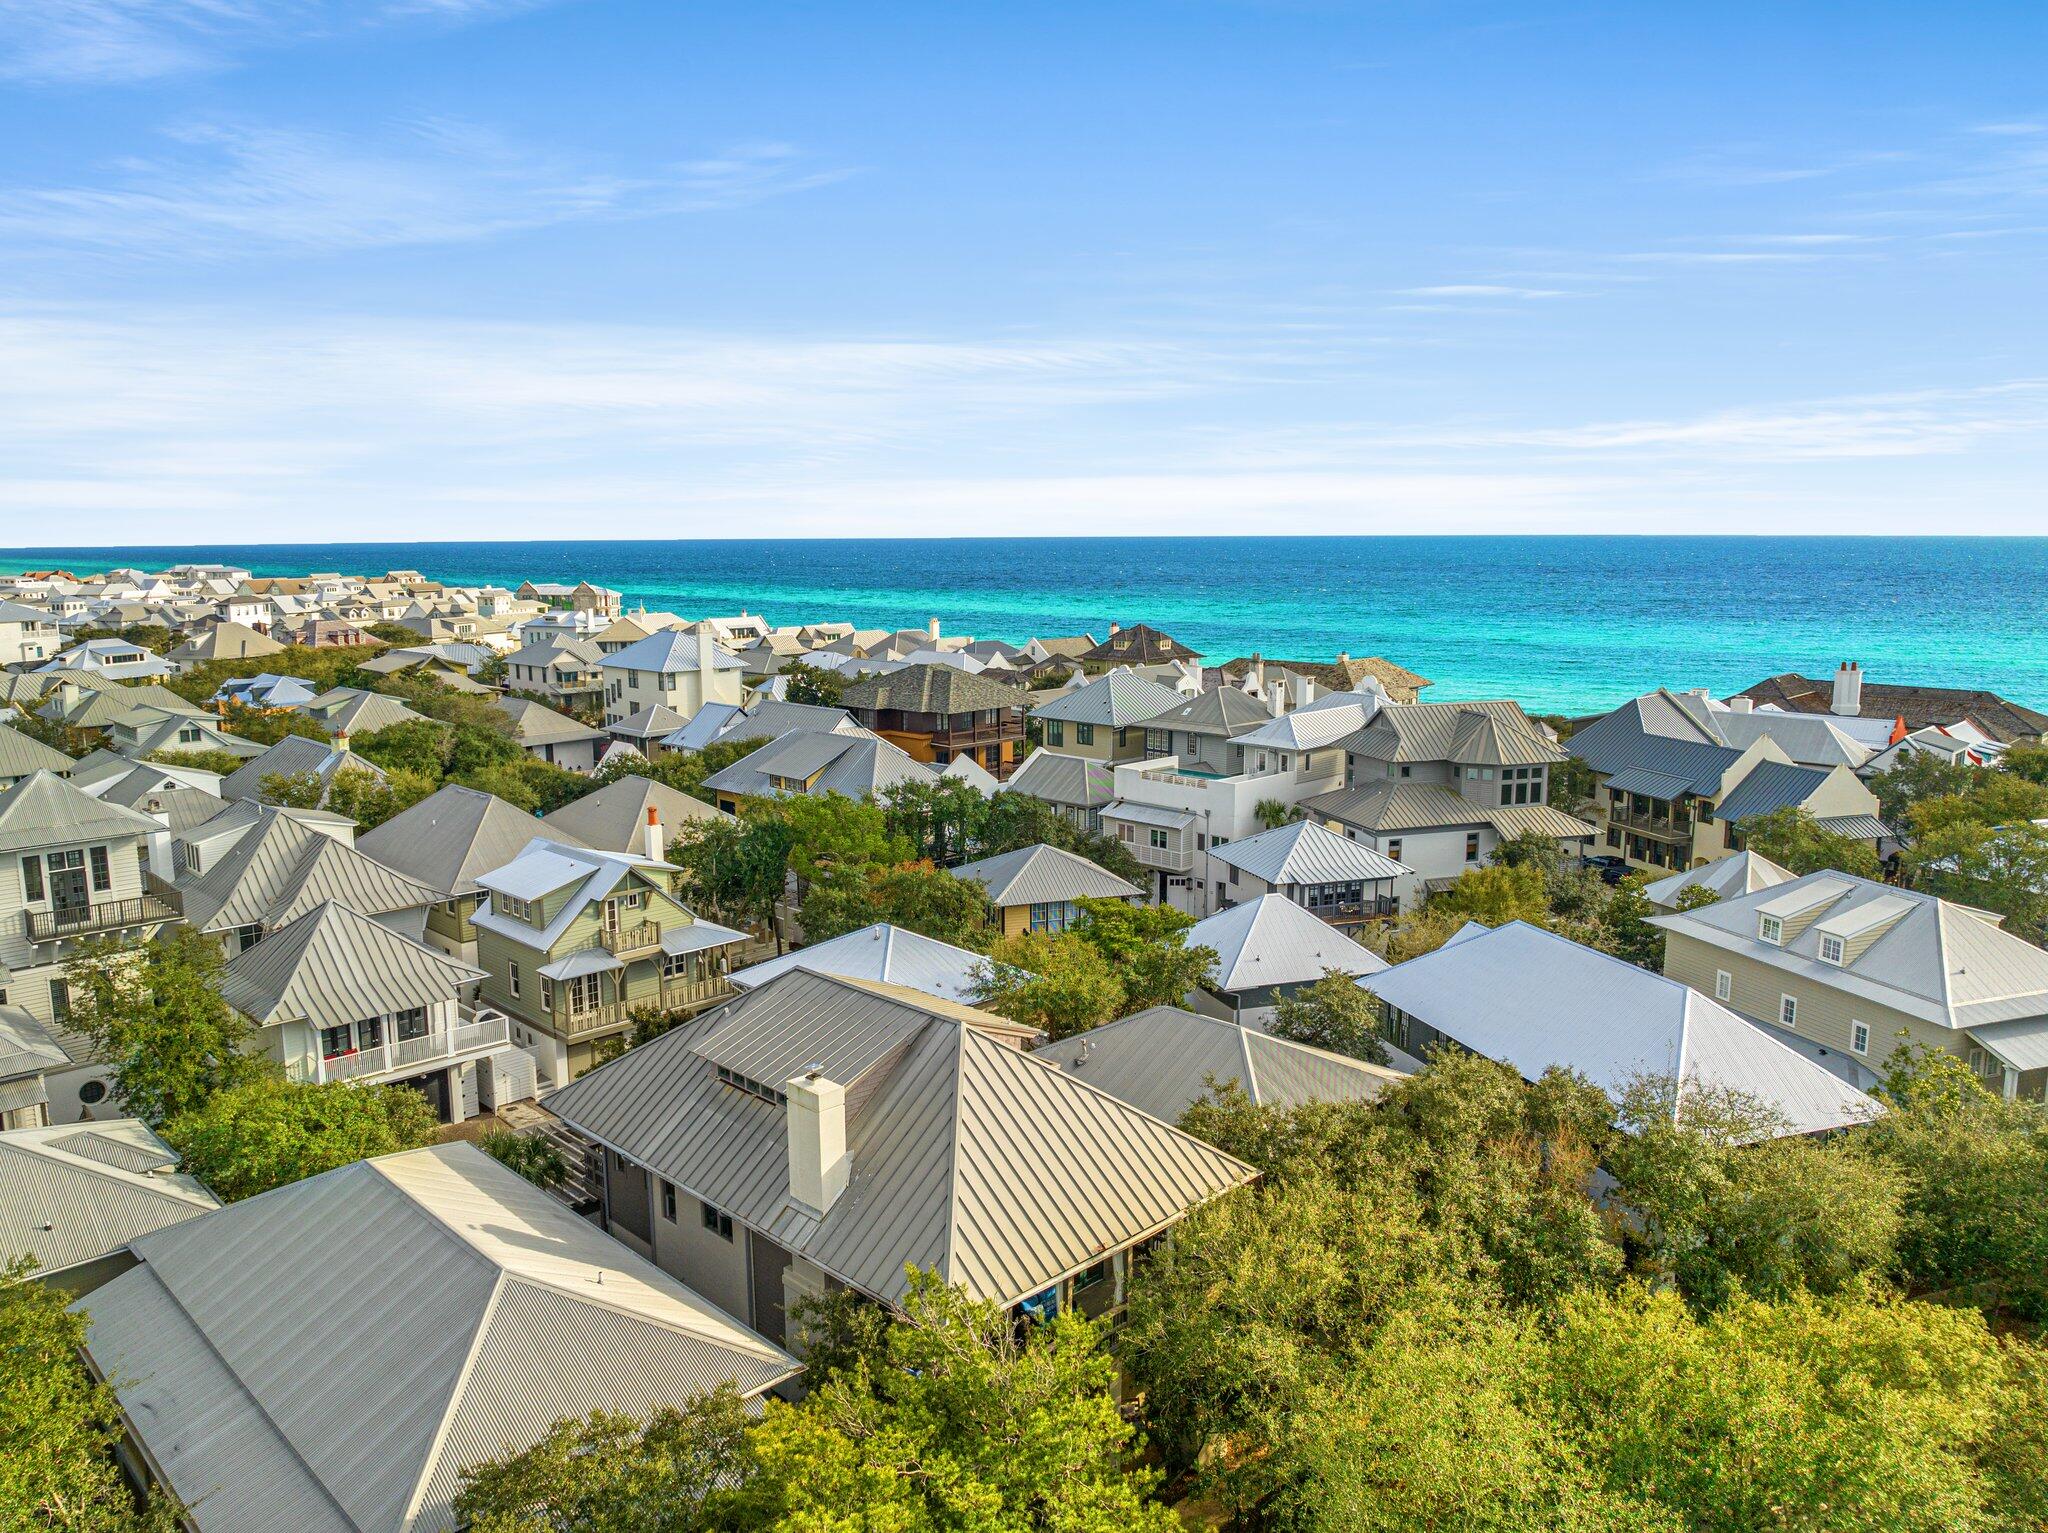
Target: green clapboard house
pixel 573 941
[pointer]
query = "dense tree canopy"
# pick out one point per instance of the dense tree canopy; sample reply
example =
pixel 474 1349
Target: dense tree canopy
pixel 250 1138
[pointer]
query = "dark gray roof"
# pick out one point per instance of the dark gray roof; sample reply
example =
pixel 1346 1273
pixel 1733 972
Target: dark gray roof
pixel 1770 785
pixel 1620 740
pixel 932 689
pixel 851 765
pixel 449 838
pixel 331 966
pixel 614 818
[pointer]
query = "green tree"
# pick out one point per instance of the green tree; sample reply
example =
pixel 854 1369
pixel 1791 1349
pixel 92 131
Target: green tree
pixel 154 1013
pixel 941 820
pixel 533 1156
pixel 1626 931
pixel 220 761
pixel 684 773
pixel 292 790
pixel 266 727
pixel 1012 821
pixel 812 684
pixel 59 1427
pixel 250 1138
pixel 1052 981
pixel 1333 1014
pixel 1272 813
pixel 915 896
pixel 738 868
pixel 1798 842
pixel 830 833
pixel 1147 947
pixel 1916 776
pixel 369 801
pixel 1496 895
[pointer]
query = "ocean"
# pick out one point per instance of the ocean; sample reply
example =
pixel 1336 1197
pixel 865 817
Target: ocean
pixel 1562 624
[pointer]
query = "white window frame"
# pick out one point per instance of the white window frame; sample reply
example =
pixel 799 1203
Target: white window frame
pixel 1770 929
pixel 1788 1011
pixel 1859 1038
pixel 1829 939
pixel 1724 984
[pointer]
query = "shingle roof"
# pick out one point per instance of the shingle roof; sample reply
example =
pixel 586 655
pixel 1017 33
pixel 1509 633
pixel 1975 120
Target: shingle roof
pixel 91 1204
pixel 1162 1059
pixel 1273 941
pixel 462 1312
pixel 968 1156
pixel 1117 699
pixel 879 952
pixel 1305 852
pixel 931 689
pixel 1043 874
pixel 2002 720
pixel 332 966
pixel 1067 780
pixel 1607 1019
pixel 44 810
pixel 450 837
pixel 1140 643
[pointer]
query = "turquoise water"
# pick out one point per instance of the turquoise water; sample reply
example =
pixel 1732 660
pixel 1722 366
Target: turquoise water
pixel 1565 624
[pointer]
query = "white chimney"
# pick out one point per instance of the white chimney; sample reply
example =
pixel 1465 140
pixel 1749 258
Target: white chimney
pixel 706 660
pixel 1114 628
pixel 932 628
pixel 1848 698
pixel 341 742
pixel 654 846
pixel 1741 704
pixel 818 1162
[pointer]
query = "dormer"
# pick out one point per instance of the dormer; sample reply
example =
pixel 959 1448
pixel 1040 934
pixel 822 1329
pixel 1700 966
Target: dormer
pixel 1781 919
pixel 1847 937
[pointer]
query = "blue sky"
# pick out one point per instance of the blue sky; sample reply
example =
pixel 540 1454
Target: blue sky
pixel 306 269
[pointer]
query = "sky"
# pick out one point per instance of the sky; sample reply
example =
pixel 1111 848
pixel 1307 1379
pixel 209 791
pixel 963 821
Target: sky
pixel 318 270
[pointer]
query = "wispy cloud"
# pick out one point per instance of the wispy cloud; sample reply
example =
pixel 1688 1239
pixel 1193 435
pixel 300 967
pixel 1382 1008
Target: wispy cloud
pixel 229 189
pixel 1483 290
pixel 122 41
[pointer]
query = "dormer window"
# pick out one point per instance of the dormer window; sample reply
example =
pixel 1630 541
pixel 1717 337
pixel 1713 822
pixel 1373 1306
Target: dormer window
pixel 1831 950
pixel 1770 929
pixel 513 909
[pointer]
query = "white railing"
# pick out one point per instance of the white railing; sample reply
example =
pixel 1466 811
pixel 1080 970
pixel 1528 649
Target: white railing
pixel 489 1029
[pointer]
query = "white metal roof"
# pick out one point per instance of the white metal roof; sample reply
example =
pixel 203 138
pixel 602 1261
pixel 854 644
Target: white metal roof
pixel 1043 874
pixel 1306 852
pixel 1273 941
pixel 879 952
pixel 1532 999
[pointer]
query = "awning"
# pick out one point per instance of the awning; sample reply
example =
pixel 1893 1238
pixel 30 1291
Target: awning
pixel 2021 1045
pixel 1650 784
pixel 26 1092
pixel 1539 819
pixel 1857 827
pixel 697 936
pixel 590 960
pixel 1147 814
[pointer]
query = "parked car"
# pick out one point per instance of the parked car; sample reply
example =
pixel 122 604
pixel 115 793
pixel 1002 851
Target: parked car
pixel 1612 870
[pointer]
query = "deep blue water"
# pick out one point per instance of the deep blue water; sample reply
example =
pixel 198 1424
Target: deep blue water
pixel 1560 623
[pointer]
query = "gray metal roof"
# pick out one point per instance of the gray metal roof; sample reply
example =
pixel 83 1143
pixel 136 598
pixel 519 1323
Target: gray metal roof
pixel 1066 780
pixel 1657 734
pixel 460 1312
pixel 1273 941
pixel 1482 733
pixel 968 1156
pixel 290 757
pixel 537 724
pixel 668 651
pixel 880 952
pixel 1115 700
pixel 1940 962
pixel 44 810
pixel 1225 711
pixel 90 1203
pixel 1770 785
pixel 1305 852
pixel 1148 814
pixel 1043 874
pixel 850 765
pixel 280 868
pixel 1651 784
pixel 1607 1019
pixel 1162 1059
pixel 1857 827
pixel 332 966
pixel 26 1046
pixel 546 866
pixel 1393 805
pixel 2022 1044
pixel 1725 878
pixel 614 818
pixel 352 710
pixel 21 754
pixel 452 836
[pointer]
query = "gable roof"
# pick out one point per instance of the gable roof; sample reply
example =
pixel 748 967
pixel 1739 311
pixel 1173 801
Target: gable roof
pixel 1305 852
pixel 1222 711
pixel 450 837
pixel 1161 1060
pixel 967 1156
pixel 537 724
pixel 670 650
pixel 352 710
pixel 1607 1019
pixel 1482 733
pixel 72 1193
pixel 881 952
pixel 45 810
pixel 545 866
pixel 280 868
pixel 1768 786
pixel 1725 878
pixel 1117 699
pixel 290 757
pixel 22 754
pixel 1042 874
pixel 1630 737
pixel 1273 941
pixel 847 764
pixel 1067 780
pixel 463 1311
pixel 1934 960
pixel 931 689
pixel 333 965
pixel 614 818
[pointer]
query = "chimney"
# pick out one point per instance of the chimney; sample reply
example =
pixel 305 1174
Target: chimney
pixel 341 742
pixel 1114 628
pixel 706 661
pixel 654 847
pixel 818 1163
pixel 1848 698
pixel 67 698
pixel 1343 657
pixel 1741 704
pixel 932 628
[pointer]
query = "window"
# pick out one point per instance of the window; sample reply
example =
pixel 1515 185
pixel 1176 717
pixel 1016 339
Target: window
pixel 410 1023
pixel 1613 836
pixel 1233 875
pixel 1055 732
pixel 512 978
pixel 1770 929
pixel 336 1041
pixel 517 910
pixel 370 1033
pixel 1084 734
pixel 102 874
pixel 719 1224
pixel 584 994
pixel 1788 1010
pixel 668 1202
pixel 1471 846
pixel 751 1086
pixel 32 878
pixel 1394 848
pixel 1831 950
pixel 675 965
pixel 1052 915
pixel 1157 838
pixel 92 1093
pixel 1859 1038
pixel 60 1000
pixel 1724 984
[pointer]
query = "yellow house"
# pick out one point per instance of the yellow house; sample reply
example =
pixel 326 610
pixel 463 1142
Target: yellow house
pixel 1038 888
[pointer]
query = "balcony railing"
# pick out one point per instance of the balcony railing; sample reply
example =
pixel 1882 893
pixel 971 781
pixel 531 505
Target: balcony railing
pixel 677 993
pixel 630 941
pixel 603 1015
pixel 1678 829
pixel 103 916
pixel 1174 859
pixel 488 1030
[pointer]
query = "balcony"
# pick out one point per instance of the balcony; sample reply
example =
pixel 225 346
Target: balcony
pixel 634 941
pixel 1664 827
pixel 1174 859
pixel 100 918
pixel 488 1029
pixel 676 994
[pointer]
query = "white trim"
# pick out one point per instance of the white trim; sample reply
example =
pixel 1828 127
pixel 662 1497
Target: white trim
pixel 1724 984
pixel 1859 1030
pixel 1788 1011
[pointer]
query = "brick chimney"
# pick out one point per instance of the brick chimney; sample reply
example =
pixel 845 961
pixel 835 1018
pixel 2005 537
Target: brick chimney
pixel 816 1122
